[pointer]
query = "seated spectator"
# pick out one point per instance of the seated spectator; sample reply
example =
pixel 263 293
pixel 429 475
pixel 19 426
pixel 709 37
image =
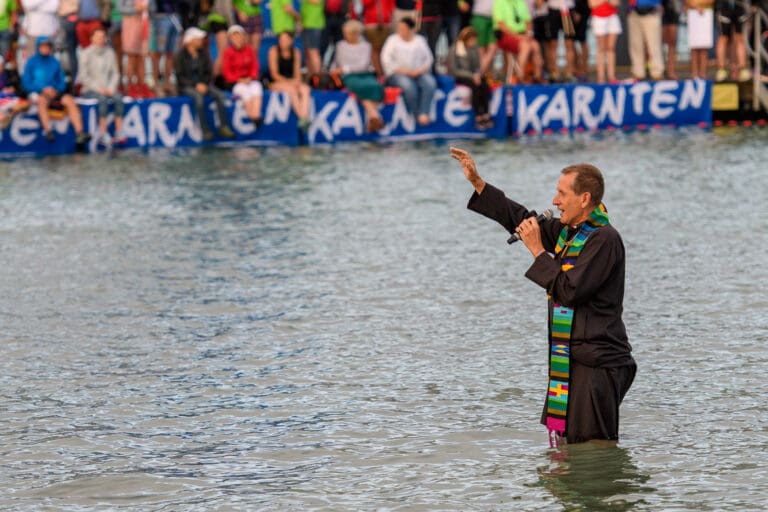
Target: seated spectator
pixel 45 84
pixel 10 101
pixel 407 62
pixel 731 17
pixel 353 60
pixel 464 64
pixel 514 33
pixel 377 17
pixel 100 77
pixel 241 70
pixel 285 76
pixel 312 25
pixel 607 26
pixel 194 72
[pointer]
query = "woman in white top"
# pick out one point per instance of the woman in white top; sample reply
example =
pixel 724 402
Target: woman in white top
pixel 407 62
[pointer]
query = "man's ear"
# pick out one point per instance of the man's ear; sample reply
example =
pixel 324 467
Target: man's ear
pixel 586 199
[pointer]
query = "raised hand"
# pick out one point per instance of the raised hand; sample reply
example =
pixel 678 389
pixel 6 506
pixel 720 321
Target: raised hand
pixel 469 167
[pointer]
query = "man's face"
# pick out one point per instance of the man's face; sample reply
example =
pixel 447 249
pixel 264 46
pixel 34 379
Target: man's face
pixel 99 38
pixel 404 31
pixel 571 205
pixel 237 39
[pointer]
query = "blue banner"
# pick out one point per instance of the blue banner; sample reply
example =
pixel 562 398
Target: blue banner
pixel 542 109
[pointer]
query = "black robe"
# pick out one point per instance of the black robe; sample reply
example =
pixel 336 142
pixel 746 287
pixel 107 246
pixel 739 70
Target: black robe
pixel 602 367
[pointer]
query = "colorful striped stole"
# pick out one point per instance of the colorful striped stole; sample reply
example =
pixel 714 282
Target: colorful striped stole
pixel 560 332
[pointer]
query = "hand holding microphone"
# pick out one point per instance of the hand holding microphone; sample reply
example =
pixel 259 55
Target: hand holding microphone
pixel 545 215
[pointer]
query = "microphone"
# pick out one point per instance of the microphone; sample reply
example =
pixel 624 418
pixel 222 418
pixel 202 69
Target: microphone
pixel 545 215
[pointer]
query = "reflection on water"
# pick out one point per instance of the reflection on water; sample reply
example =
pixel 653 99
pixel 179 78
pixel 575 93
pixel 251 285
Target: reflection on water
pixel 592 477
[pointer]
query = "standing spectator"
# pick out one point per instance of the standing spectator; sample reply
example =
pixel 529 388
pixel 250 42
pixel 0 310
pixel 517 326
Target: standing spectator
pixel 580 16
pixel 607 26
pixel 115 34
pixel 482 22
pixel 561 19
pixel 431 24
pixel 241 69
pixel 45 84
pixel 670 20
pixel 40 20
pixel 731 17
pixel 194 75
pixel 353 60
pixel 464 65
pixel 163 41
pixel 312 25
pixel 285 76
pixel 644 27
pixel 337 12
pixel 450 12
pixel 68 15
pixel 541 29
pixel 284 16
pixel 133 46
pixel 377 17
pixel 92 14
pixel 8 20
pixel 407 62
pixel 11 103
pixel 100 77
pixel 220 18
pixel 514 33
pixel 700 35
pixel 248 14
pixel 407 9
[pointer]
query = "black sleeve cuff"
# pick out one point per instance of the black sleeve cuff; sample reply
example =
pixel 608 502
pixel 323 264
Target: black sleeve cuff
pixel 543 270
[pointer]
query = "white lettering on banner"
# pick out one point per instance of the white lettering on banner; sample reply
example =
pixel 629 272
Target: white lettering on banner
pixel 438 96
pixel 662 95
pixel 133 125
pixel 278 108
pixel 400 116
pixel 158 114
pixel 582 98
pixel 496 97
pixel 693 94
pixel 613 107
pixel 557 110
pixel 348 117
pixel 529 114
pixel 455 109
pixel 24 130
pixel 637 91
pixel 320 122
pixel 239 123
pixel 188 125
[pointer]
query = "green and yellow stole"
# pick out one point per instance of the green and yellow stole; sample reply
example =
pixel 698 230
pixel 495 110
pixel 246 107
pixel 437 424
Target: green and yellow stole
pixel 560 333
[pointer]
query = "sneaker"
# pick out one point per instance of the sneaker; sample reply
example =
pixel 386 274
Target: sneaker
pixel 119 138
pixel 721 75
pixel 745 75
pixel 304 124
pixel 145 91
pixel 207 135
pixel 226 133
pixel 105 140
pixel 82 138
pixel 50 136
pixel 257 122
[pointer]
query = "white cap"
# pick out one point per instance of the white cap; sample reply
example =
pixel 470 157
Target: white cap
pixel 234 29
pixel 193 33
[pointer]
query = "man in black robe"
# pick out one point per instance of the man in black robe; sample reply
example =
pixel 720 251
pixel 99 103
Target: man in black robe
pixel 601 365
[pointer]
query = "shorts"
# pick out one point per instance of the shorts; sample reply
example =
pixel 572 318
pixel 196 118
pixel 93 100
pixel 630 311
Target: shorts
pixel 509 43
pixel 604 25
pixel 580 26
pixel 115 28
pixel 164 33
pixel 216 26
pixel 247 91
pixel 730 20
pixel 84 30
pixel 669 14
pixel 376 35
pixel 310 38
pixel 131 35
pixel 556 25
pixel 541 28
pixel 483 25
pixel 254 24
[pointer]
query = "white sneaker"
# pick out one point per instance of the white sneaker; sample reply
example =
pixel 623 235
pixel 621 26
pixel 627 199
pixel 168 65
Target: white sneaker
pixel 106 140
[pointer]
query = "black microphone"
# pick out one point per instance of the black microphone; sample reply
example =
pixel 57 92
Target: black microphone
pixel 545 215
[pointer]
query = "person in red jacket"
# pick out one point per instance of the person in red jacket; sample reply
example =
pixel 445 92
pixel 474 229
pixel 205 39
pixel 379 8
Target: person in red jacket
pixel 240 67
pixel 377 19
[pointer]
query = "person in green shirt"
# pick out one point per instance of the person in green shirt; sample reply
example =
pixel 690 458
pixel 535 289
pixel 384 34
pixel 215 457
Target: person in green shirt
pixel 514 32
pixel 284 17
pixel 313 23
pixel 8 19
pixel 248 14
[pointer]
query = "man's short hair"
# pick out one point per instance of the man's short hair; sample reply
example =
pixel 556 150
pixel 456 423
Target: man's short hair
pixel 588 179
pixel 408 21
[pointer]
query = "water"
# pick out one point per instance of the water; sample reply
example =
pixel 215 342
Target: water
pixel 331 329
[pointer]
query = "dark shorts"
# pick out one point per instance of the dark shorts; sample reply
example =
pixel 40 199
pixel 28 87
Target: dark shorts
pixel 214 27
pixel 555 20
pixel 581 26
pixel 669 14
pixel 310 38
pixel 254 24
pixel 593 402
pixel 541 29
pixel 730 20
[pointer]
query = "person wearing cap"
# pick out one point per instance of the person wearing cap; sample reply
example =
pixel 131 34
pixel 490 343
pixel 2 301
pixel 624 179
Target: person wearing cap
pixel 240 68
pixel 194 72
pixel 45 84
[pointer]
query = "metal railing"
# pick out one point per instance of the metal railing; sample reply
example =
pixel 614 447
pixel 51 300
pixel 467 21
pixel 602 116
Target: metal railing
pixel 756 50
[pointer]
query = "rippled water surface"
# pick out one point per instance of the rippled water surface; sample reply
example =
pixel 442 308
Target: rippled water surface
pixel 331 329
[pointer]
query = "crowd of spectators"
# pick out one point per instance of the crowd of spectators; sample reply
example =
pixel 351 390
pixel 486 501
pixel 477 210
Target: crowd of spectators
pixel 99 49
